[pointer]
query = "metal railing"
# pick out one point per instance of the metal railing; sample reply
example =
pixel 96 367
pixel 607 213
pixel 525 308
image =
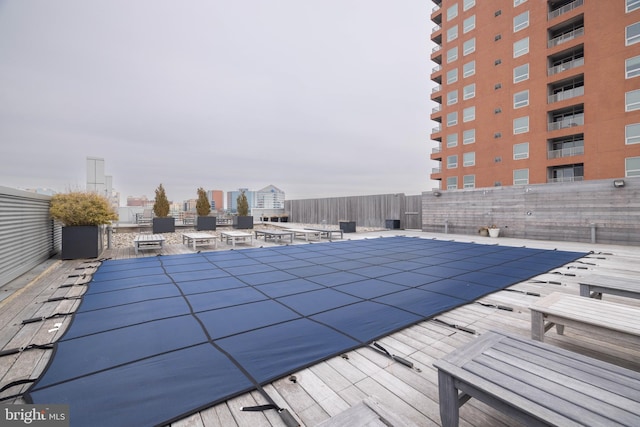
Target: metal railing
pixel 564 9
pixel 565 152
pixel 566 122
pixel 565 66
pixel 566 94
pixel 563 38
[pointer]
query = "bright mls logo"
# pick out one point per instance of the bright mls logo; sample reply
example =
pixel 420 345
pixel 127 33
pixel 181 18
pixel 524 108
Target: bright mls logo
pixel 35 415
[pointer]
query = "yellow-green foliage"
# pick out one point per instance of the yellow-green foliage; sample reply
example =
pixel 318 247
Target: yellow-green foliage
pixel 203 207
pixel 243 205
pixel 80 208
pixel 161 205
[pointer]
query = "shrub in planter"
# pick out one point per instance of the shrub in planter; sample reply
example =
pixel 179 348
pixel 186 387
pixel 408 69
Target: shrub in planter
pixel 243 220
pixel 82 215
pixel 203 208
pixel 162 223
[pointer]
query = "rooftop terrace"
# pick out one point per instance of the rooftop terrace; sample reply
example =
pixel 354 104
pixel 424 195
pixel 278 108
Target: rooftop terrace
pixel 329 392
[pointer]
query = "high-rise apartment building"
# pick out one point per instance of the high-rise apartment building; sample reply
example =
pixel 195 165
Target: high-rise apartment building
pixel 535 91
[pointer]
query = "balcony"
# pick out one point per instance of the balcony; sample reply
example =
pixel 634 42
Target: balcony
pixel 578 62
pixel 564 9
pixel 565 152
pixel 565 37
pixel 566 179
pixel 564 94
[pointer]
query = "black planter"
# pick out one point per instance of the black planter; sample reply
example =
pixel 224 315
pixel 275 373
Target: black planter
pixel 164 225
pixel 392 224
pixel 348 226
pixel 206 223
pixel 243 222
pixel 81 241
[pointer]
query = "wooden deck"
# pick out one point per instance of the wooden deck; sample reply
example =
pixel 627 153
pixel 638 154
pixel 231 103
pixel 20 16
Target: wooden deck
pixel 330 388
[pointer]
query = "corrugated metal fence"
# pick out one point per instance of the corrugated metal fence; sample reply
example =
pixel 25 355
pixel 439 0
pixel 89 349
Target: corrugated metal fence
pixel 27 233
pixel 366 211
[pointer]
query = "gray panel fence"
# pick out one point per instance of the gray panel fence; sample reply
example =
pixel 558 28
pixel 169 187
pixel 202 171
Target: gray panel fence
pixel 586 211
pixel 28 235
pixel 366 211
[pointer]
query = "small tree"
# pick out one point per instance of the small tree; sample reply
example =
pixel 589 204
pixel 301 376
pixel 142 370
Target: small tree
pixel 243 204
pixel 80 208
pixel 161 205
pixel 203 207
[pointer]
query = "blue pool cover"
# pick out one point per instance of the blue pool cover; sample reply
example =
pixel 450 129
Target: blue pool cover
pixel 158 338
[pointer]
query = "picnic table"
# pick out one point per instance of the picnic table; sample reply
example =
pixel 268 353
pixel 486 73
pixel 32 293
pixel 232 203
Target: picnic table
pixel 199 239
pixel 274 234
pixel 305 233
pixel 596 284
pixel 147 241
pixel 234 236
pixel 537 384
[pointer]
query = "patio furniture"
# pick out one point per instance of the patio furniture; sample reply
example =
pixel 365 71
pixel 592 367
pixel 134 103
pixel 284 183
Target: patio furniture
pixel 328 233
pixel 199 239
pixel 596 284
pixel 235 236
pixel 147 241
pixel 274 234
pixel 305 233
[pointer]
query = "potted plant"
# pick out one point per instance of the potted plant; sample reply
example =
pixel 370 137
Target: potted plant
pixel 494 231
pixel 82 215
pixel 203 209
pixel 242 220
pixel 484 231
pixel 162 223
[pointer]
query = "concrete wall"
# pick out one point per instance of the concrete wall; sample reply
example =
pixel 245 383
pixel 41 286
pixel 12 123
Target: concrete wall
pixel 366 211
pixel 562 211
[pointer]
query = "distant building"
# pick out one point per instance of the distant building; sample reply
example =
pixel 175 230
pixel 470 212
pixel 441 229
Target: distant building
pixel 270 197
pixel 98 182
pixel 216 197
pixel 232 199
pixel 137 201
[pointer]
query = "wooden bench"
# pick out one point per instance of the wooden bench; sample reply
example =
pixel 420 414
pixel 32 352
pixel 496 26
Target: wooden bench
pixel 147 241
pixel 305 233
pixel 234 236
pixel 537 384
pixel 595 285
pixel 274 234
pixel 326 232
pixel 199 239
pixel 617 321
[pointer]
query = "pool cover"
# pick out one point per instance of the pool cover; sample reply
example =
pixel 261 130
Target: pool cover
pixel 158 338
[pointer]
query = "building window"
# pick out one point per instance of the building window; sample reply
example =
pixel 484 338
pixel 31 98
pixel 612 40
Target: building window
pixel 452 54
pixel 521 151
pixel 632 134
pixel 521 99
pixel 469 159
pixel 452 140
pixel 468 4
pixel 469 114
pixel 521 177
pixel 469 136
pixel 633 33
pixel 452 76
pixel 632 166
pixel 521 47
pixel 469 46
pixel 469 24
pixel 632 67
pixel 452 183
pixel 521 22
pixel 632 100
pixel 521 73
pixel 452 118
pixel 452 97
pixel 469 69
pixel 632 5
pixel 452 12
pixel 469 91
pixel 469 181
pixel 452 161
pixel 517 3
pixel 521 125
pixel 452 33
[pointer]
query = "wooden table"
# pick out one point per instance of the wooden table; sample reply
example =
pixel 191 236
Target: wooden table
pixel 235 236
pixel 326 232
pixel 595 285
pixel 305 233
pixel 618 321
pixel 148 241
pixel 274 234
pixel 199 239
pixel 537 384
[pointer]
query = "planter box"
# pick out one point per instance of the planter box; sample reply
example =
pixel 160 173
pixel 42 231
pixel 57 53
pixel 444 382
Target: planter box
pixel 243 222
pixel 392 224
pixel 83 241
pixel 206 223
pixel 494 232
pixel 164 225
pixel 348 226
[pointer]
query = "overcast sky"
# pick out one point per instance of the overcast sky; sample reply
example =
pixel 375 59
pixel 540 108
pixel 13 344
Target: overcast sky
pixel 320 98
